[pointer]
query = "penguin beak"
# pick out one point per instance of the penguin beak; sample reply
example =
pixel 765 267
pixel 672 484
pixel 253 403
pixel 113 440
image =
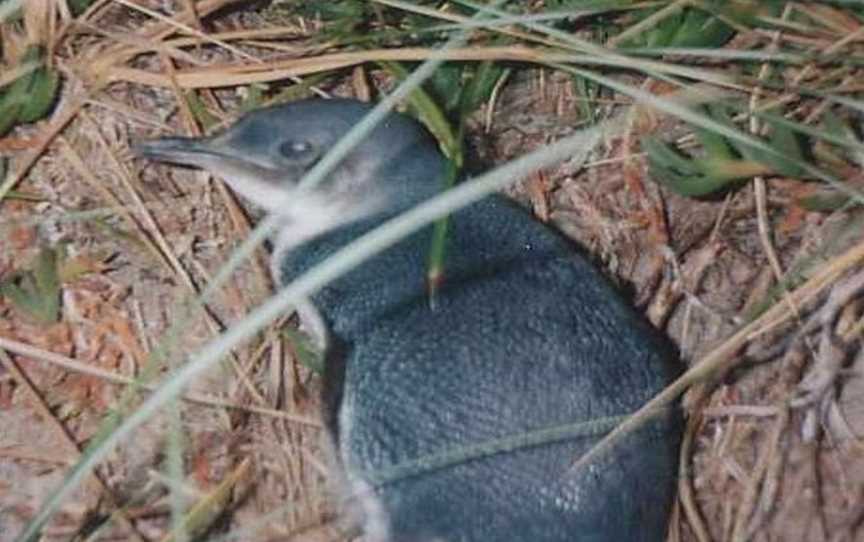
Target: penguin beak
pixel 188 151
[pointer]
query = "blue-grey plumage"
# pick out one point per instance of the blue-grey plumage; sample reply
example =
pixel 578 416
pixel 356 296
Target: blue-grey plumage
pixel 525 335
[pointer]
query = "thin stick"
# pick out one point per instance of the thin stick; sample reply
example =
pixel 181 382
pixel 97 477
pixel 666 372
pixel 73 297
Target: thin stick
pixel 70 364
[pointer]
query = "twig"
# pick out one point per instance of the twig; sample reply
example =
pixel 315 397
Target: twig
pixel 70 364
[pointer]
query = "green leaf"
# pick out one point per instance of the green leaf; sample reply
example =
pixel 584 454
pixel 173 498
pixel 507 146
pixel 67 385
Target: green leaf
pixel 254 97
pixel 662 155
pixel 714 144
pixel 446 84
pixel 485 76
pixel 77 7
pixel 37 292
pixel 202 115
pixel 305 351
pixel 825 200
pixel 840 132
pixel 687 27
pixel 589 93
pixel 791 146
pixel 31 96
pixel 432 116
pixel 41 92
pixel 745 12
pixel 725 162
pixel 8 116
pixel 696 177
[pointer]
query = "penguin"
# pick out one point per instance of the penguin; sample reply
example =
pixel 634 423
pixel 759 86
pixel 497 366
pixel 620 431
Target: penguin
pixel 433 409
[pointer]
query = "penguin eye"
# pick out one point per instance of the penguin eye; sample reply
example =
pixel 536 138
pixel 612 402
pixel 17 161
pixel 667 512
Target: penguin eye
pixel 300 151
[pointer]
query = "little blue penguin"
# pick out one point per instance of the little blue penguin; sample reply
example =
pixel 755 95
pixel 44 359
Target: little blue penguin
pixel 524 337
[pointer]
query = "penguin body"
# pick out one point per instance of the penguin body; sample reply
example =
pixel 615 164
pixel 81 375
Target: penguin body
pixel 522 336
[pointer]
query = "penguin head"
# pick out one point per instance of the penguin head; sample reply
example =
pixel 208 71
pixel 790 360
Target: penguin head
pixel 264 155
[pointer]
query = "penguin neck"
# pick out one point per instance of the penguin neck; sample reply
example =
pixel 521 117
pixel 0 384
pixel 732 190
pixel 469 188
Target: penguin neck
pixel 291 259
pixel 402 184
pixel 384 280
